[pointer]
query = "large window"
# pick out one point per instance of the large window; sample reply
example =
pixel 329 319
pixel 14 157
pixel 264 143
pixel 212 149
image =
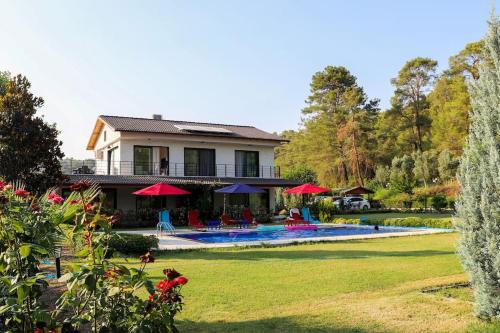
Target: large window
pixel 112 163
pixel 164 166
pixel 247 163
pixel 143 160
pixel 199 162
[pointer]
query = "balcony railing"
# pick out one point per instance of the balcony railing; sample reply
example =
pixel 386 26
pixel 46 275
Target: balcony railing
pixel 100 167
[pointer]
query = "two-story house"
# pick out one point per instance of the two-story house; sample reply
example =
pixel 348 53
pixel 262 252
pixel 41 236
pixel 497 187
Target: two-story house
pixel 132 153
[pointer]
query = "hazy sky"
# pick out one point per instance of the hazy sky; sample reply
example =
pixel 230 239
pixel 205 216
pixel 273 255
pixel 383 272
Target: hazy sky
pixel 242 62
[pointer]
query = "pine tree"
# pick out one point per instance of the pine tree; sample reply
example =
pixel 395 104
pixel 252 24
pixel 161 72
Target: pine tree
pixel 478 206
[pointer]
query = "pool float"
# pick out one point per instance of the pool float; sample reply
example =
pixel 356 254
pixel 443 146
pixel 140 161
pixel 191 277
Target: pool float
pixel 301 227
pixel 261 227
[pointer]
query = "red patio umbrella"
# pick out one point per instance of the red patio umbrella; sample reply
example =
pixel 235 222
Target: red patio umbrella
pixel 161 189
pixel 307 189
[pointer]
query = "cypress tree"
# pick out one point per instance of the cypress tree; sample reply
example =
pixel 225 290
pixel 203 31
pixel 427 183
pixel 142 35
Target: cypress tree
pixel 478 205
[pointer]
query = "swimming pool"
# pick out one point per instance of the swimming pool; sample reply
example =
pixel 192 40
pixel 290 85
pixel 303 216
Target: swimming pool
pixel 246 235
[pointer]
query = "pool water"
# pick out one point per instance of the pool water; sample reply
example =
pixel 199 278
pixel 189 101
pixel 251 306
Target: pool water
pixel 256 236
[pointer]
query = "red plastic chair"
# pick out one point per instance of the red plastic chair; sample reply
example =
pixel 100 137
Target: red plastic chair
pixel 194 220
pixel 247 215
pixel 296 219
pixel 226 220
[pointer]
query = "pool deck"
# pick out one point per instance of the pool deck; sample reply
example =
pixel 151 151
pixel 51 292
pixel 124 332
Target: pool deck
pixel 171 242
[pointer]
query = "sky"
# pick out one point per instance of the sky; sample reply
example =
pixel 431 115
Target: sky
pixel 234 62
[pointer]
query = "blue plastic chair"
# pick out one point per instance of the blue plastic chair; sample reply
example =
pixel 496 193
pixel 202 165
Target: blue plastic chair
pixel 306 215
pixel 164 223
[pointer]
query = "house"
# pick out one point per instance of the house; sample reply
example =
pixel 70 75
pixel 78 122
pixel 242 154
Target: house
pixel 132 153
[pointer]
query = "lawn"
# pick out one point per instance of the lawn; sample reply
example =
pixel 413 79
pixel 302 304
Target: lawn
pixel 356 286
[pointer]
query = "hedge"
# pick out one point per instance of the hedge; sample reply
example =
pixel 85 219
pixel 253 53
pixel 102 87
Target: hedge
pixel 133 243
pixel 441 223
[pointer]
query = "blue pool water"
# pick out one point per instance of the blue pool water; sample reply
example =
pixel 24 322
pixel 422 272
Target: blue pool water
pixel 256 236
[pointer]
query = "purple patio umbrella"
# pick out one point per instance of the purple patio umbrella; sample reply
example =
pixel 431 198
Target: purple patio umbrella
pixel 238 188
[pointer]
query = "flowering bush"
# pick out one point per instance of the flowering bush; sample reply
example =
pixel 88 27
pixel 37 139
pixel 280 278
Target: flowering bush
pixel 100 295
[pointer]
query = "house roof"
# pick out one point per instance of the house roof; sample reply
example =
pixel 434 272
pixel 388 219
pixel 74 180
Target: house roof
pixel 147 125
pixel 150 180
pixel 356 190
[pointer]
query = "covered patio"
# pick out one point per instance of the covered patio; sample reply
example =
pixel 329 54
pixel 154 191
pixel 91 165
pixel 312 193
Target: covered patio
pixel 141 211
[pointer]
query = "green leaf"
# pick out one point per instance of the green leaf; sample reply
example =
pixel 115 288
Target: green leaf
pixel 113 291
pixel 4 308
pixel 22 293
pixel 66 277
pixel 18 227
pixel 83 253
pixel 25 250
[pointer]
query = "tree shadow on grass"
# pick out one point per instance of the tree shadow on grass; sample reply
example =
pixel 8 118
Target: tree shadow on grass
pixel 303 255
pixel 270 325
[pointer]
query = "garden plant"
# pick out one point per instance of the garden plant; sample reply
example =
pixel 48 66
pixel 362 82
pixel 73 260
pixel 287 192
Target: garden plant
pixel 100 296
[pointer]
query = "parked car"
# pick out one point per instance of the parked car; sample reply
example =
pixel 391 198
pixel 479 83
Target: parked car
pixel 353 203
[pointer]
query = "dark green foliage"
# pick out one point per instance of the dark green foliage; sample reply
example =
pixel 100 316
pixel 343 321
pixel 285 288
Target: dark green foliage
pixel 327 211
pixel 440 223
pixel 29 148
pixel 301 174
pixel 132 243
pixel 439 202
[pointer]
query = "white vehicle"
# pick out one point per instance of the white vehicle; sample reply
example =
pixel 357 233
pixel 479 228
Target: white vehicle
pixel 353 203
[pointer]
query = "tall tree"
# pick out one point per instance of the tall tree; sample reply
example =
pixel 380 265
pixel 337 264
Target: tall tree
pixel 478 206
pixel 340 114
pixel 449 110
pixel 467 61
pixel 409 101
pixel 4 81
pixel 29 148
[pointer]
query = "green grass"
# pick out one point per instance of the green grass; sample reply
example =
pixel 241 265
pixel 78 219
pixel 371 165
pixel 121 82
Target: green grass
pixel 356 286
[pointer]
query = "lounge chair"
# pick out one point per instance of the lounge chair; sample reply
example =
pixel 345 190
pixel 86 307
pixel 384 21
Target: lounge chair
pixel 295 219
pixel 194 220
pixel 226 220
pixel 248 216
pixel 164 223
pixel 306 213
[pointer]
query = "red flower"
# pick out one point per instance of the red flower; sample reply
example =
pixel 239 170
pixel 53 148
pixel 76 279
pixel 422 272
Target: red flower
pixel 38 330
pixel 80 186
pixel 171 273
pixel 160 285
pixel 89 207
pixel 147 258
pixel 21 193
pixel 182 280
pixel 114 219
pixel 2 184
pixel 54 198
pixel 73 202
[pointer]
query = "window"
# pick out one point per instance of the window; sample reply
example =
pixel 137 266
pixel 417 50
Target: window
pixel 247 163
pixel 112 163
pixel 104 136
pixel 199 162
pixel 143 160
pixel 163 161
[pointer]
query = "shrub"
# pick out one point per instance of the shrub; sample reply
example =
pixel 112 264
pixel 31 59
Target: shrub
pixel 132 243
pixel 440 223
pixel 326 211
pixel 438 202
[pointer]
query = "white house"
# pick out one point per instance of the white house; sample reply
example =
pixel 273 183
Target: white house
pixel 131 153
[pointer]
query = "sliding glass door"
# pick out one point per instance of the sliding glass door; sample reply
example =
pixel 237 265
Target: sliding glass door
pixel 199 162
pixel 143 160
pixel 247 163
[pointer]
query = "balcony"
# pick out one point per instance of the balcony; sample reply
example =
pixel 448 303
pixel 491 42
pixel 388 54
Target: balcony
pixel 128 168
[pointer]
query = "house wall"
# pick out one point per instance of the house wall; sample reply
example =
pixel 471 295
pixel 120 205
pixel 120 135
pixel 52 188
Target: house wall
pixel 224 153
